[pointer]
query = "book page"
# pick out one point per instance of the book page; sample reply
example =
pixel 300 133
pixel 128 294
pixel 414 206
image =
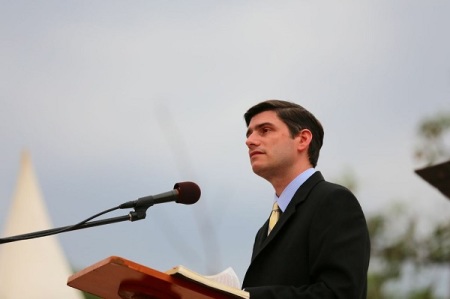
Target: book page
pixel 226 281
pixel 227 277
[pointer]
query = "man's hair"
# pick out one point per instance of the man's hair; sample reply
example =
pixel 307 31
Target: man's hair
pixel 296 118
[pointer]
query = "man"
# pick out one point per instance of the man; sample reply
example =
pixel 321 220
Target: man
pixel 320 246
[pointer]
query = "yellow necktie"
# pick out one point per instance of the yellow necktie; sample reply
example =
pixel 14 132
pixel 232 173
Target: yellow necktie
pixel 274 216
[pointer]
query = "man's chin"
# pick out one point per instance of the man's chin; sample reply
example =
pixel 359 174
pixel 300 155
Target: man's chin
pixel 259 170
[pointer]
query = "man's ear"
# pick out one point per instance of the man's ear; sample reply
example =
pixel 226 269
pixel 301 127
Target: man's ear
pixel 304 139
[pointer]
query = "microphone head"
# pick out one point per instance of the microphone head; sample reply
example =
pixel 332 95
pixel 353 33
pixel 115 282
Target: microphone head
pixel 188 192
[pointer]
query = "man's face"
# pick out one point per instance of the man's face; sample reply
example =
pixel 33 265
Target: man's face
pixel 272 150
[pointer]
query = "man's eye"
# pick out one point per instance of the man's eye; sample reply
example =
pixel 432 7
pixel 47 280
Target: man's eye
pixel 265 130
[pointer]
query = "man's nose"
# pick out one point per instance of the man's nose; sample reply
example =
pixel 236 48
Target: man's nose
pixel 251 141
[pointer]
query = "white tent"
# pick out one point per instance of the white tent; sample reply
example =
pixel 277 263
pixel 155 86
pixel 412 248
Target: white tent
pixel 36 268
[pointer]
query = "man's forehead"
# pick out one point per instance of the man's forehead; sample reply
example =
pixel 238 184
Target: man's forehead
pixel 265 117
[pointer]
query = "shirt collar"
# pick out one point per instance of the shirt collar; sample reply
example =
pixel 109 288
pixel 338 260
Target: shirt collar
pixel 289 191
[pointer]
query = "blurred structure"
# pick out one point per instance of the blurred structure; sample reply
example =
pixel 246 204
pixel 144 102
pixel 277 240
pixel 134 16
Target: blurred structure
pixel 438 176
pixel 37 268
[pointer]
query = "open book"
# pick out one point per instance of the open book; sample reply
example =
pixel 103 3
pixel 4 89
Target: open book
pixel 225 281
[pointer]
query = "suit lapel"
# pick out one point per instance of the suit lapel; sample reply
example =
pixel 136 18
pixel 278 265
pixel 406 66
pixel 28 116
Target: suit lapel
pixel 300 195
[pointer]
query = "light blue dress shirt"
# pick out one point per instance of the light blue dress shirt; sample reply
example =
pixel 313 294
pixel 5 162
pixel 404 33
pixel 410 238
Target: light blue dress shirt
pixel 289 191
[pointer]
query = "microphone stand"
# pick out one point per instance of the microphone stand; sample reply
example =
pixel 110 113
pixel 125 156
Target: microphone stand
pixel 138 214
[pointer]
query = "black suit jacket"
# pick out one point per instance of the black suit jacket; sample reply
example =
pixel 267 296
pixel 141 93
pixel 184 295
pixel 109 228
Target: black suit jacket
pixel 319 248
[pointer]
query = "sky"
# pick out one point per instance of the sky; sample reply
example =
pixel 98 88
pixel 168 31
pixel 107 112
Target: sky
pixel 116 100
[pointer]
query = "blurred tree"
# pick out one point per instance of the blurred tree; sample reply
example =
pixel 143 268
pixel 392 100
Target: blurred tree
pixel 90 296
pixel 434 135
pixel 393 251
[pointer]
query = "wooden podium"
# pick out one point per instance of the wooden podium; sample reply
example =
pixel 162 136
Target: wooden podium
pixel 118 278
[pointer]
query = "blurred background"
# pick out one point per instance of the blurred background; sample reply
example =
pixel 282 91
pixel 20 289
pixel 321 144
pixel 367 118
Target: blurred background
pixel 116 100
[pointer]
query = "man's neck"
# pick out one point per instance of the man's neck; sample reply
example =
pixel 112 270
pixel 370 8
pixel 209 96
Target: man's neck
pixel 279 183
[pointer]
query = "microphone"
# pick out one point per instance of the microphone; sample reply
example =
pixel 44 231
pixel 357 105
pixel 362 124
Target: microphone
pixel 184 192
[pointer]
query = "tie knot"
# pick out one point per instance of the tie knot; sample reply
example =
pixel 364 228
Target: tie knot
pixel 274 216
pixel 275 206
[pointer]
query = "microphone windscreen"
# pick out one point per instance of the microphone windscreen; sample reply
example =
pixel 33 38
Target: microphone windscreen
pixel 188 192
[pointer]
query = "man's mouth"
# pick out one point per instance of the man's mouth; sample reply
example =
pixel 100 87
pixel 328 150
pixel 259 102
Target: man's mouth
pixel 254 153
